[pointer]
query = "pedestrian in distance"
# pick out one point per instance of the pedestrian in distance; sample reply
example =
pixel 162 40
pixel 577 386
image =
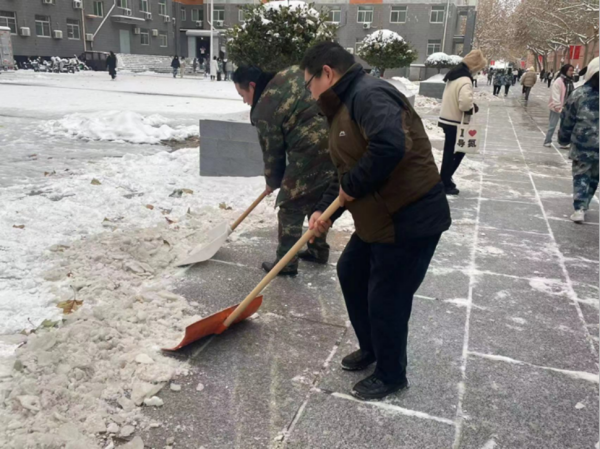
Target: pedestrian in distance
pixel 579 128
pixel 490 77
pixel 224 66
pixel 549 77
pixel 543 75
pixel 528 81
pixel 182 66
pixel 293 138
pixel 388 180
pixel 507 81
pixel 457 107
pixel 515 75
pixel 559 94
pixel 219 69
pixel 475 79
pixel 111 65
pixel 498 81
pixel 214 68
pixel 175 64
pixel 195 65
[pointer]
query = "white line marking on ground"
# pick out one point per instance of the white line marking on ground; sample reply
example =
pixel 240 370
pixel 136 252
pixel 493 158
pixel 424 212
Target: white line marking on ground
pixel 583 375
pixel 472 267
pixel 561 258
pixel 395 408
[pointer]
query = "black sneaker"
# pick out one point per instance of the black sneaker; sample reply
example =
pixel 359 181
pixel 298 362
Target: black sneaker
pixel 374 388
pixel 451 191
pixel 358 360
pixel 311 256
pixel 287 271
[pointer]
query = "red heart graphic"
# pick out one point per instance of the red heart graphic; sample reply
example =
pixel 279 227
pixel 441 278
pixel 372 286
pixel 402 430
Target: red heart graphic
pixel 472 132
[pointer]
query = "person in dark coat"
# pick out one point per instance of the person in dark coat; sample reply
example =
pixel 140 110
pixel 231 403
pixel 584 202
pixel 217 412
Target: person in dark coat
pixel 175 64
pixel 388 180
pixel 111 64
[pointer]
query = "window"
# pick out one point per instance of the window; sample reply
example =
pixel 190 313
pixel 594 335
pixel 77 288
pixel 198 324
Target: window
pixel 219 13
pixel 459 49
pixel 144 6
pixel 99 9
pixel 335 15
pixel 183 15
pixel 123 4
pixel 73 29
pixel 195 15
pixel 162 39
pixel 144 37
pixel 434 46
pixel 9 19
pixel 398 14
pixel 162 7
pixel 357 45
pixel 42 26
pixel 241 15
pixel 461 25
pixel 365 14
pixel 437 14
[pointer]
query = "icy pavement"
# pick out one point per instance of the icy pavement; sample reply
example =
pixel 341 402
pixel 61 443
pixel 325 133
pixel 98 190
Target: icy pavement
pixel 504 336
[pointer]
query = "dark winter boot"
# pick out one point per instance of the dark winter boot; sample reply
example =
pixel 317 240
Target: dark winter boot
pixel 313 256
pixel 374 388
pixel 289 270
pixel 358 360
pixel 451 191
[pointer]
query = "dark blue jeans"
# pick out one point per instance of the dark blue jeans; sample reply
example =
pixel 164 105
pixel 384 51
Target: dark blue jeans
pixel 379 281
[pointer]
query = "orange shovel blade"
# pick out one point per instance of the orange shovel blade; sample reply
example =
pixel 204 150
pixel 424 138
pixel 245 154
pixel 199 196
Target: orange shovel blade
pixel 214 324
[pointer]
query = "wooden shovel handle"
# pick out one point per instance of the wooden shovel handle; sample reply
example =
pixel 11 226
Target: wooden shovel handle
pixel 280 265
pixel 257 201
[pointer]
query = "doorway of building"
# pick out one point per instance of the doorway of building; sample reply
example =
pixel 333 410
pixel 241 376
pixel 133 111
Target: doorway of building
pixel 203 48
pixel 125 41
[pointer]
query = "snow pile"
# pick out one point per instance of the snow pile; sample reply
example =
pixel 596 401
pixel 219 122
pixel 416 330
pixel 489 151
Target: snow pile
pixel 85 376
pixel 381 38
pixel 123 126
pixel 428 103
pixel 455 59
pixel 434 132
pixel 408 84
pixel 484 96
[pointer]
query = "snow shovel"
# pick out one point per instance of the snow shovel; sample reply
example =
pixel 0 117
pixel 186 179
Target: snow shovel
pixel 220 321
pixel 217 236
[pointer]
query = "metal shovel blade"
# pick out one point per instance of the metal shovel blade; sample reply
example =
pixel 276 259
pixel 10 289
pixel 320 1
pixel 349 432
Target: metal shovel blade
pixel 214 324
pixel 215 238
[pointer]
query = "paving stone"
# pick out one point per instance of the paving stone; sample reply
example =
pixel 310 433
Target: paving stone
pixel 329 422
pixel 519 401
pixel 510 191
pixel 513 216
pixel 575 240
pixel 529 321
pixel 435 349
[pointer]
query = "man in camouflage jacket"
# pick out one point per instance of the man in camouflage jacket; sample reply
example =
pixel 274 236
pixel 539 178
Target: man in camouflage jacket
pixel 579 127
pixel 293 137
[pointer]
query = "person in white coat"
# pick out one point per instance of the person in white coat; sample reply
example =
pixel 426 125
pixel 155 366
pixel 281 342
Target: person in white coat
pixel 214 68
pixel 457 105
pixel 561 90
pixel 182 65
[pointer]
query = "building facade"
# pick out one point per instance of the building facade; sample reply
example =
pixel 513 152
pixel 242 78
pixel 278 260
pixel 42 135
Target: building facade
pixel 69 27
pixel 168 27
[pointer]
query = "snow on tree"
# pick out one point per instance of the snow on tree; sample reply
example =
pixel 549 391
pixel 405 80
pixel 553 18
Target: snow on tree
pixel 441 60
pixel 385 49
pixel 276 35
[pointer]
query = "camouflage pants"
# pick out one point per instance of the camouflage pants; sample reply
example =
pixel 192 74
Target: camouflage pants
pixel 585 183
pixel 291 218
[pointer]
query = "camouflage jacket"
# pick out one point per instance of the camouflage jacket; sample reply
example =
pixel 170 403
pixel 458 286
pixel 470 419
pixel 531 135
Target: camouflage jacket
pixel 579 124
pixel 289 125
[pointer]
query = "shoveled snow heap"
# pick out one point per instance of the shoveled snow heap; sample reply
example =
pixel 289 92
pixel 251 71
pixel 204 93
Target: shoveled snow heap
pixel 442 59
pixel 124 126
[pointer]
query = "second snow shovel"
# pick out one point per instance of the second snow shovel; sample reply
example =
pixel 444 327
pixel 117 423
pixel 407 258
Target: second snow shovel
pixel 220 321
pixel 217 236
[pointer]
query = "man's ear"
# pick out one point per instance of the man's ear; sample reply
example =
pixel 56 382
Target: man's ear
pixel 252 85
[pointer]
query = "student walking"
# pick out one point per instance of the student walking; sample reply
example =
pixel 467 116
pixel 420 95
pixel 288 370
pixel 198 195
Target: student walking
pixel 507 81
pixel 175 64
pixel 559 94
pixel 498 80
pixel 457 102
pixel 579 128
pixel 528 81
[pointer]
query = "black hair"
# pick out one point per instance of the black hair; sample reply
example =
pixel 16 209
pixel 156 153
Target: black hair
pixel 509 71
pixel 331 54
pixel 565 68
pixel 246 74
pixel 593 81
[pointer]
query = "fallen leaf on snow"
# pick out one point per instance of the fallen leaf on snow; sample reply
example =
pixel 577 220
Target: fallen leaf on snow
pixel 19 226
pixel 225 206
pixel 95 182
pixel 69 306
pixel 169 220
pixel 188 191
pixel 149 206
